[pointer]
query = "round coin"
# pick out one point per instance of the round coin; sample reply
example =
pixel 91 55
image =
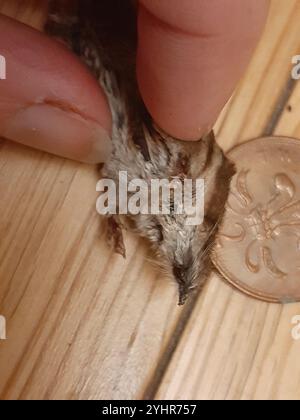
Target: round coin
pixel 258 246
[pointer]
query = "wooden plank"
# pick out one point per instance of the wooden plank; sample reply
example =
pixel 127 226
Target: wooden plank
pixel 289 123
pixel 83 323
pixel 30 12
pixel 255 100
pixel 235 347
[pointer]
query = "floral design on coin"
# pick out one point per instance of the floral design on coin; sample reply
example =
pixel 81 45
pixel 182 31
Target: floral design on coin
pixel 266 222
pixel 258 248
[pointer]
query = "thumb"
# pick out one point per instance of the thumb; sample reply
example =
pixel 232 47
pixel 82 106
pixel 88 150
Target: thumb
pixel 49 100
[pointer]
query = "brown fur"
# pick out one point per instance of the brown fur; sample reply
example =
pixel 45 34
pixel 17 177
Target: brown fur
pixel 104 35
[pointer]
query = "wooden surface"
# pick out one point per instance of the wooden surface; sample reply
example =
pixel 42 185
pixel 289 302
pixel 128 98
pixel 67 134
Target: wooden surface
pixel 84 324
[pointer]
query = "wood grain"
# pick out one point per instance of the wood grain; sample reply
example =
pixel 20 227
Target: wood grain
pixel 30 12
pixel 84 324
pixel 235 347
pixel 81 322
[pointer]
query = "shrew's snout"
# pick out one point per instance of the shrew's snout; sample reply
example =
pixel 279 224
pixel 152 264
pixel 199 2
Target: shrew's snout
pixel 180 275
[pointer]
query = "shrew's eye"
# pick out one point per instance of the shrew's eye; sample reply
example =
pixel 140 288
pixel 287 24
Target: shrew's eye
pixel 160 236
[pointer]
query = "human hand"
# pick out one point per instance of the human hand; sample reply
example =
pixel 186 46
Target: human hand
pixel 190 58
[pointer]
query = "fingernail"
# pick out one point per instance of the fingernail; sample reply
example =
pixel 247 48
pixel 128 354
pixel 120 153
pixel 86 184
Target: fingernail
pixel 59 132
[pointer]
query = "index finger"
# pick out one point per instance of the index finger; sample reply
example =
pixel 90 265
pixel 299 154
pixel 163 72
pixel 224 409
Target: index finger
pixel 191 55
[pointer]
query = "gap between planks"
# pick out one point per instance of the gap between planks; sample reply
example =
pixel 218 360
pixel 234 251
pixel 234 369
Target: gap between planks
pixel 165 359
